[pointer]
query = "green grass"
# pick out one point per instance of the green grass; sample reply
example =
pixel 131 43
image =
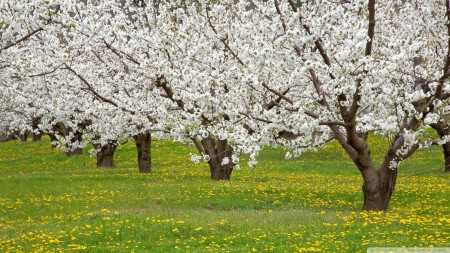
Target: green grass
pixel 53 203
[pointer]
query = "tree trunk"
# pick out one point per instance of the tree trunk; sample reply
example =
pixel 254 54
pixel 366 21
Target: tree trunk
pixel 23 137
pixel 143 146
pixel 220 157
pixel 36 134
pixel 378 188
pixel 74 152
pixel 57 129
pixel 6 137
pixel 443 129
pixel 53 140
pixel 37 137
pixel 76 138
pixel 378 185
pixel 446 149
pixel 105 155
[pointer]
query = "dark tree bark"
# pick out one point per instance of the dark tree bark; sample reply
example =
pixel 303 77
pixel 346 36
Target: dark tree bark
pixel 23 137
pixel 53 139
pixel 443 129
pixel 4 137
pixel 378 187
pixel 57 129
pixel 77 137
pixel 378 184
pixel 446 151
pixel 36 134
pixel 143 146
pixel 217 150
pixel 105 155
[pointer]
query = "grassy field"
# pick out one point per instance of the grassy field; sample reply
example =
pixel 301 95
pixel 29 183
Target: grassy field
pixel 52 203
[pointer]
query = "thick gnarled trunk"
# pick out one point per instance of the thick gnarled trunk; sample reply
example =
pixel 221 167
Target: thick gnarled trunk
pixel 378 188
pixel 220 157
pixel 143 146
pixel 105 155
pixel 219 152
pixel 378 185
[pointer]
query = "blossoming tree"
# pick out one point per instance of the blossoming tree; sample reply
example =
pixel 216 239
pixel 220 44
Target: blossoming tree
pixel 345 69
pixel 146 61
pixel 19 23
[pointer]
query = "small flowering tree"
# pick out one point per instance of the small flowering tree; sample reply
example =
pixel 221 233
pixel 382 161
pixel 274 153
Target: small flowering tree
pixel 194 74
pixel 88 61
pixel 42 75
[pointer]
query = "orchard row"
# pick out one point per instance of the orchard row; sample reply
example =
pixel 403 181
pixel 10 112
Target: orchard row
pixel 230 76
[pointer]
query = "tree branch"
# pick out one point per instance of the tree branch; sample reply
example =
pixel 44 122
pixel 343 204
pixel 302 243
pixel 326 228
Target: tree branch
pixel 162 83
pixel 94 92
pixel 371 30
pixel 223 40
pixel 26 37
pixel 47 72
pixel 280 95
pixel 277 101
pixel 120 54
pixel 446 70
